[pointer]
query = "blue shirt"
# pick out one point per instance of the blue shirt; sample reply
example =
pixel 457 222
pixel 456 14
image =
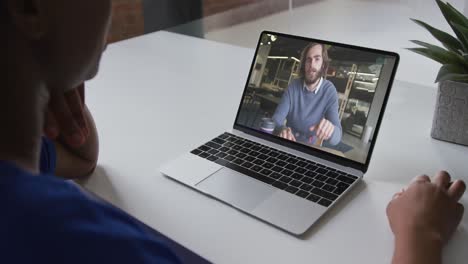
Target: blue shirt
pixel 45 219
pixel 302 109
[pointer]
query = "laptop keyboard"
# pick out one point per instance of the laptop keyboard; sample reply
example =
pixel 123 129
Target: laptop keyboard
pixel 304 178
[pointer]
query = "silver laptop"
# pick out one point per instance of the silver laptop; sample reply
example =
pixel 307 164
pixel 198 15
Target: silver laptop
pixel 304 133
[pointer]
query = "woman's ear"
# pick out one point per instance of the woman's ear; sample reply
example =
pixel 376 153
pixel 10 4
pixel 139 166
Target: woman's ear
pixel 28 17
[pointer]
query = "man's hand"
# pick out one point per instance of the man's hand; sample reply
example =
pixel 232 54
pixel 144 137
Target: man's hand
pixel 65 117
pixel 324 130
pixel 424 216
pixel 287 134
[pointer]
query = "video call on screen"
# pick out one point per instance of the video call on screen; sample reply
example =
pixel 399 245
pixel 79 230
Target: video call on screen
pixel 323 96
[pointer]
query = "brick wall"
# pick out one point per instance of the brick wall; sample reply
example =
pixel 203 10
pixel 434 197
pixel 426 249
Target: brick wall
pixel 127 19
pixel 211 7
pixel 225 13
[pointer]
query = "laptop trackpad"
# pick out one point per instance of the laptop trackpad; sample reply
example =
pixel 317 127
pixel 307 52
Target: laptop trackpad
pixel 237 189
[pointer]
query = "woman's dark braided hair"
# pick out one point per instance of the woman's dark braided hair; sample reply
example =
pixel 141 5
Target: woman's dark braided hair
pixel 3 12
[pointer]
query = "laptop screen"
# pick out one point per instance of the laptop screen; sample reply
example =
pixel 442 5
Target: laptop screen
pixel 322 95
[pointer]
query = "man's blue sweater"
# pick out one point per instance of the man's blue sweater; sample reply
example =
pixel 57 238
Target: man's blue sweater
pixel 303 109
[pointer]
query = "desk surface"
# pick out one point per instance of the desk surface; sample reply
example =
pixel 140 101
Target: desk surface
pixel 162 94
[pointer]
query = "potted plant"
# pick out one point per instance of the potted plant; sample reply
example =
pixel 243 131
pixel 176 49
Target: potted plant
pixel 450 121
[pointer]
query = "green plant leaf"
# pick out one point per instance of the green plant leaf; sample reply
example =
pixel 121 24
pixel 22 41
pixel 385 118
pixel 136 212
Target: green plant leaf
pixel 463 31
pixel 427 53
pixel 454 17
pixel 449 71
pixel 446 39
pixel 429 46
pixel 439 54
pixel 454 77
pixel 459 14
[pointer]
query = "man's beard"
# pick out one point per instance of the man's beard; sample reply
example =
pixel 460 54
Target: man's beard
pixel 313 80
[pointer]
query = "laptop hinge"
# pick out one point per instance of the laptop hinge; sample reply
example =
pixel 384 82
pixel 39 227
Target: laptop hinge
pixel 325 162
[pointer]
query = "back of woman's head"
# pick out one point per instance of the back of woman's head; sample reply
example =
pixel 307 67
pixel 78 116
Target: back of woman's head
pixel 2 10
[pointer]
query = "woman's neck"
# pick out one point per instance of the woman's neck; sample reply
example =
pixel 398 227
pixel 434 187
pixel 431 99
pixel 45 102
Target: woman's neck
pixel 23 102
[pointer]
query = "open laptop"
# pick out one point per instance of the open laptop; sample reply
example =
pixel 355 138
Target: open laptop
pixel 303 135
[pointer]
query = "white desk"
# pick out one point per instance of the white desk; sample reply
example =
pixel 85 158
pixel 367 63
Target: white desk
pixel 162 94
